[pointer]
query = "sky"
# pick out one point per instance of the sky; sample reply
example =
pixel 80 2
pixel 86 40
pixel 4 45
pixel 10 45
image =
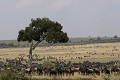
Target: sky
pixel 79 18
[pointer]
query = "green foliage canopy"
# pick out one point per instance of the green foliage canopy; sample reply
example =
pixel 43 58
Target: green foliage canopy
pixel 43 29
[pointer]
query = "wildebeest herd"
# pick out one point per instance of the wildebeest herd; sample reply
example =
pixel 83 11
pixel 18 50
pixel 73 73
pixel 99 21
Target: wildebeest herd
pixel 85 68
pixel 64 69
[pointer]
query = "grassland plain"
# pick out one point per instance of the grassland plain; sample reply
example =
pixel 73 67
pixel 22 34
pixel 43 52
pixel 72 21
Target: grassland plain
pixel 102 52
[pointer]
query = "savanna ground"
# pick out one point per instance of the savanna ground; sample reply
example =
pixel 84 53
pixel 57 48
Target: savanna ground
pixel 104 52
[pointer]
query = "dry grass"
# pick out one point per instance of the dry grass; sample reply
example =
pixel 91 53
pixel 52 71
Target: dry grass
pixel 80 77
pixel 92 52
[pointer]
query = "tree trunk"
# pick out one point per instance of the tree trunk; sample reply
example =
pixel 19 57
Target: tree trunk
pixel 30 56
pixel 32 47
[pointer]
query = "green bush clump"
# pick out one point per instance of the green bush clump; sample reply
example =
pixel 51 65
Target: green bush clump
pixel 12 75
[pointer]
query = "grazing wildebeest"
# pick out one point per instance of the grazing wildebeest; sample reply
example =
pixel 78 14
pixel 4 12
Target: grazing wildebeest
pixel 39 70
pixel 82 70
pixel 53 72
pixel 60 71
pixel 115 69
pixel 28 71
pixel 96 71
pixel 69 71
pixel 89 71
pixel 106 71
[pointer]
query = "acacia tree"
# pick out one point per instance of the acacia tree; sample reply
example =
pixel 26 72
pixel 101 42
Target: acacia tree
pixel 41 29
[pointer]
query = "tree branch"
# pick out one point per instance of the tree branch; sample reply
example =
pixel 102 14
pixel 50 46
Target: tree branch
pixel 35 45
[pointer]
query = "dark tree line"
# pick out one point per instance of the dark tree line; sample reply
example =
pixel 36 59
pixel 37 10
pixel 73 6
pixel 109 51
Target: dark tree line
pixel 9 45
pixel 104 40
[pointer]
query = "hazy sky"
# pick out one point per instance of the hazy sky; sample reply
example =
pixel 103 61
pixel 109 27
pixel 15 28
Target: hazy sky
pixel 80 18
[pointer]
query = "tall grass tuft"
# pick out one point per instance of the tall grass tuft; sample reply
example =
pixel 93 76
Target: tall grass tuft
pixel 106 77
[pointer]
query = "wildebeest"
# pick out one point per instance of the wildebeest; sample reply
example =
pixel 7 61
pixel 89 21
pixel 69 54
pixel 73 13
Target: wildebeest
pixel 106 71
pixel 53 72
pixel 115 69
pixel 96 71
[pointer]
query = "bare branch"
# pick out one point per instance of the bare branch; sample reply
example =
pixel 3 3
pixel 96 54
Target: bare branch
pixel 36 45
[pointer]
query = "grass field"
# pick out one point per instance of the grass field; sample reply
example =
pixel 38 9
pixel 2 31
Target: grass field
pixel 80 77
pixel 102 52
pixel 77 53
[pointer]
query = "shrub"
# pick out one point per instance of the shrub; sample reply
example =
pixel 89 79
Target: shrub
pixel 12 75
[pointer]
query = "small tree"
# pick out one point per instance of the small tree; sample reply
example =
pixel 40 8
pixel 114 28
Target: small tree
pixel 115 36
pixel 98 38
pixel 41 29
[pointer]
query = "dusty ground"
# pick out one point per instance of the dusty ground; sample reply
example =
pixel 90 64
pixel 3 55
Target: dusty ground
pixel 92 52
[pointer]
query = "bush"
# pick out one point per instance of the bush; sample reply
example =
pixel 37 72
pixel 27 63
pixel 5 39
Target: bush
pixel 12 75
